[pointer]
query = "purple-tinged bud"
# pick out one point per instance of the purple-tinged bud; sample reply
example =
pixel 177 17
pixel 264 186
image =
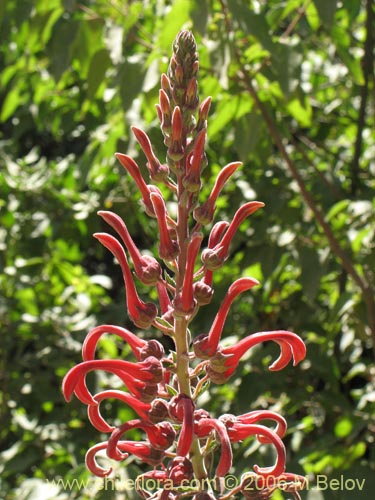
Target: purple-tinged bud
pixel 151 348
pixel 202 293
pixel 180 469
pixel 159 411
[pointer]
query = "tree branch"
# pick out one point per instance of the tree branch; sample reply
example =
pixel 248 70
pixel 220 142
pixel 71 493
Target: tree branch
pixel 362 283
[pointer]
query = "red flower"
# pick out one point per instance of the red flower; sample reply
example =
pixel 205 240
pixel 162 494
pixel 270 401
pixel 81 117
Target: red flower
pixel 168 248
pixel 139 449
pixel 141 348
pixel 157 171
pixel 185 302
pixel 237 431
pixel 146 267
pixel 141 408
pixel 161 436
pixel 131 166
pixel 215 258
pixel 205 346
pixel 225 362
pixel 134 376
pixel 205 213
pixel 203 427
pixel 192 180
pixel 181 408
pixel 141 313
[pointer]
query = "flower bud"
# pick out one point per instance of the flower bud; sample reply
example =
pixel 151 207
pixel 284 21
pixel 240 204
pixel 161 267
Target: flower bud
pixel 179 469
pixel 151 348
pixel 159 411
pixel 202 293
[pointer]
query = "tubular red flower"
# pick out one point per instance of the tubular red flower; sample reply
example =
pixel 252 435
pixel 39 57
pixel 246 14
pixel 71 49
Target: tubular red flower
pixel 216 233
pixel 258 415
pixel 215 258
pixel 291 346
pixel 205 213
pixel 91 463
pixel 168 248
pixel 95 417
pixel 94 335
pixel 146 267
pixel 157 171
pixel 206 346
pixel 203 427
pixel 238 431
pixel 192 180
pixel 141 313
pixel 182 408
pixel 241 214
pixel 161 436
pixel 185 301
pixel 164 300
pixel 150 371
pixel 131 166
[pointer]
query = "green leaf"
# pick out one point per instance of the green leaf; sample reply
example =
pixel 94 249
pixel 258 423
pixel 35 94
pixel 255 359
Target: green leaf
pixel 311 271
pixel 173 23
pixel 99 63
pixel 301 111
pixel 326 10
pixel 312 16
pixel 131 76
pixel 343 427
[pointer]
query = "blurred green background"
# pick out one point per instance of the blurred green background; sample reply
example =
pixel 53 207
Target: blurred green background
pixel 292 83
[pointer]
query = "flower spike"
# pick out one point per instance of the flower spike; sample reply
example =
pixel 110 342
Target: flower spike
pixel 164 389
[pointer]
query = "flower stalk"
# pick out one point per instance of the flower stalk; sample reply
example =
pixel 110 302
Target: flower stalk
pixel 164 388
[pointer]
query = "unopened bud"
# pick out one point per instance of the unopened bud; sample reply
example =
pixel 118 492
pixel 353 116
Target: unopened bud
pixel 211 259
pixel 202 293
pixel 159 411
pixel 151 348
pixel 179 469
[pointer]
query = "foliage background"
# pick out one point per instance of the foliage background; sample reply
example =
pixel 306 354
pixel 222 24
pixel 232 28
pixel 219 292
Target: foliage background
pixel 292 83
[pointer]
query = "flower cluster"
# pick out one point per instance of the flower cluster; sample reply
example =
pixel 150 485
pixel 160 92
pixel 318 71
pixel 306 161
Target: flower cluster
pixel 162 388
